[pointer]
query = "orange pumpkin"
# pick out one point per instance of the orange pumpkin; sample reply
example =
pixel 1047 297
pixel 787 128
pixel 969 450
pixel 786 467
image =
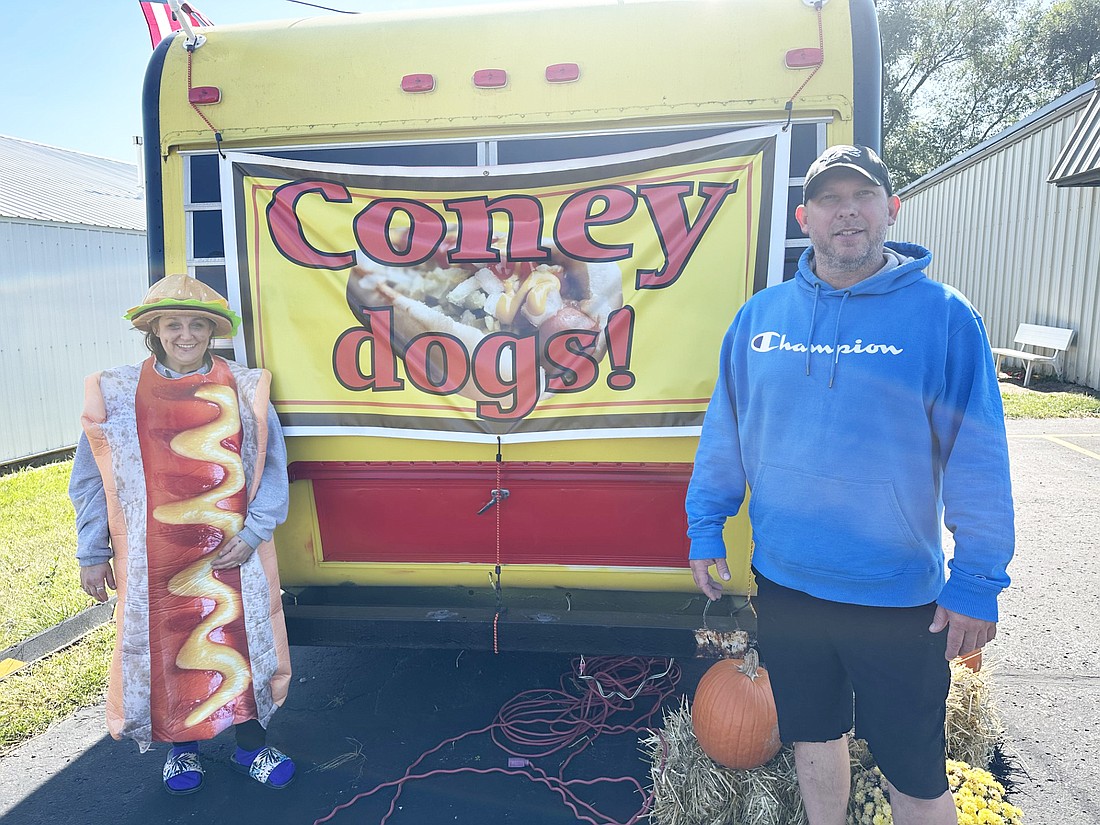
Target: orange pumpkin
pixel 734 713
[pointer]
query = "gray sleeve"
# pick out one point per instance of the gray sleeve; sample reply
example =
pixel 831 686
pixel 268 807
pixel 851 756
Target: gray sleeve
pixel 268 509
pixel 93 543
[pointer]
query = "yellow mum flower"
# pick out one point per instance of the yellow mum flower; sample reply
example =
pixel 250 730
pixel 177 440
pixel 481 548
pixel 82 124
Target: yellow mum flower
pixel 979 798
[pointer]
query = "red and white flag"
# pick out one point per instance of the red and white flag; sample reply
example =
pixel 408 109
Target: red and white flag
pixel 162 22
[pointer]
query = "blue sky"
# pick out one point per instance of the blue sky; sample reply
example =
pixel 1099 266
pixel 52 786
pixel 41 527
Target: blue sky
pixel 72 70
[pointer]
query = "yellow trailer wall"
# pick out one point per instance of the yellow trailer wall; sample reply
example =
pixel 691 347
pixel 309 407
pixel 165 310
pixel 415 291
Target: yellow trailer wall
pixel 336 81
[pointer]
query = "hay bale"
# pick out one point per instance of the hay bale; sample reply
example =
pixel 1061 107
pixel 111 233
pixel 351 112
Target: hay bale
pixel 973 725
pixel 859 753
pixel 770 794
pixel 689 788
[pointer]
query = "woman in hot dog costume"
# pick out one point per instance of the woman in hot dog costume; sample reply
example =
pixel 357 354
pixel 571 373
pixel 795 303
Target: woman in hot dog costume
pixel 178 483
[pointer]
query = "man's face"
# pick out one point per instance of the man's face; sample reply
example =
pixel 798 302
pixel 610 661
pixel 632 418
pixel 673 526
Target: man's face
pixel 846 220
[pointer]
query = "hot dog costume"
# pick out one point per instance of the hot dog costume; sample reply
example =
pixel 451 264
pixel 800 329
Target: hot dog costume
pixel 179 464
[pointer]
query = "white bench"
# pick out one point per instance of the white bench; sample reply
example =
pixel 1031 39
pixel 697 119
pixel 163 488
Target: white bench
pixel 1034 335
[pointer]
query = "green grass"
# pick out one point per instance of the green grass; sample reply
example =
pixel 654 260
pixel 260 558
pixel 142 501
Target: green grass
pixel 40 587
pixel 1075 403
pixel 39 576
pixel 50 689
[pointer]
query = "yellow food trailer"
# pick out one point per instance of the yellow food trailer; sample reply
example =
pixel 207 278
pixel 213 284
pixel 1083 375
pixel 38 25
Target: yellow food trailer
pixel 489 254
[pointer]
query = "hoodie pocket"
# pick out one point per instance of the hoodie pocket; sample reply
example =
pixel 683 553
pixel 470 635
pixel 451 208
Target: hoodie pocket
pixel 853 528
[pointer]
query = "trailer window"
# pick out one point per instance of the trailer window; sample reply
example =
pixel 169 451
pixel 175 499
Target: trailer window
pixel 808 140
pixel 589 146
pixel 213 277
pixel 202 211
pixel 203 179
pixel 407 154
pixel 207 241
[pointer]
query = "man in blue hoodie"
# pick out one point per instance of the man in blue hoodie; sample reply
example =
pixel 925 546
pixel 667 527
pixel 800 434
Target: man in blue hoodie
pixel 859 404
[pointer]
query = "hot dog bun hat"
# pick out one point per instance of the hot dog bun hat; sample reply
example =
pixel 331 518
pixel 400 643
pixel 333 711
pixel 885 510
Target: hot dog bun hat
pixel 184 295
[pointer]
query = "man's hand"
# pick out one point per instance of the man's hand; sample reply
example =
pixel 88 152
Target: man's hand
pixel 965 634
pixel 700 573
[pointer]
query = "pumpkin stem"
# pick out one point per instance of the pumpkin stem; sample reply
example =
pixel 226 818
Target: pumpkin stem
pixel 750 664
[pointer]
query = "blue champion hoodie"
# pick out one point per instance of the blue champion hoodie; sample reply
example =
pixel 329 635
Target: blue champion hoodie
pixel 861 419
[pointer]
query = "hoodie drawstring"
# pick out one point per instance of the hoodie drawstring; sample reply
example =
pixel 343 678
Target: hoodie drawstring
pixel 836 338
pixel 836 332
pixel 810 331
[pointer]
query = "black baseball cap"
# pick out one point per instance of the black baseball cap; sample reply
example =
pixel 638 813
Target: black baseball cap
pixel 861 159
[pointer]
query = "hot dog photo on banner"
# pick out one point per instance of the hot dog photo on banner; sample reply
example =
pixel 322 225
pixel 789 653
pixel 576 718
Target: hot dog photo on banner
pixel 468 302
pixel 178 483
pixel 534 301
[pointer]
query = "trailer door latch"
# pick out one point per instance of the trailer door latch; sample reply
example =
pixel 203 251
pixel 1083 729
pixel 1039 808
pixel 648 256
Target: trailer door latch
pixel 496 496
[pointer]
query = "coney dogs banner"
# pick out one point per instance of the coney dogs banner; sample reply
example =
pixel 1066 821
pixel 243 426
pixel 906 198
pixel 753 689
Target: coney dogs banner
pixel 573 299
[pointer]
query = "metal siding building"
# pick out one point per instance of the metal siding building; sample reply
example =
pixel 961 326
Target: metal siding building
pixel 72 260
pixel 1021 249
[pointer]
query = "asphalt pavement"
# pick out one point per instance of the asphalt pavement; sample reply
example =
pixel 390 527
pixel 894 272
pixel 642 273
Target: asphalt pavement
pixel 1044 665
pixel 356 719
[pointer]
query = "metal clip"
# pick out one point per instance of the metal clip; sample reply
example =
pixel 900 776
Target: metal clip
pixel 497 496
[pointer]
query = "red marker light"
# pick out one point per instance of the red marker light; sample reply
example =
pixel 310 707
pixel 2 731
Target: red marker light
pixel 417 83
pixel 204 94
pixel 490 78
pixel 803 58
pixel 563 73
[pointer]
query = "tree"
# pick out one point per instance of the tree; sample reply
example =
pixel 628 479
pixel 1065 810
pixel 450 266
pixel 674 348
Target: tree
pixel 957 72
pixel 1066 43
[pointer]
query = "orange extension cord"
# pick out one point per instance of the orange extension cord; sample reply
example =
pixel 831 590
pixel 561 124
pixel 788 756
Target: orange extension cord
pixel 537 723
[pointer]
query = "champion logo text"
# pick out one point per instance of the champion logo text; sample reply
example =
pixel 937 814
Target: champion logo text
pixel 772 341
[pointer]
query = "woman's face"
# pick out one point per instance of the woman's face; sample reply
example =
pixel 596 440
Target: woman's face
pixel 185 339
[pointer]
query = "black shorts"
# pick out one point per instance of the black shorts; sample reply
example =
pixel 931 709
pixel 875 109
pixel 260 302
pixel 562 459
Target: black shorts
pixel 833 664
